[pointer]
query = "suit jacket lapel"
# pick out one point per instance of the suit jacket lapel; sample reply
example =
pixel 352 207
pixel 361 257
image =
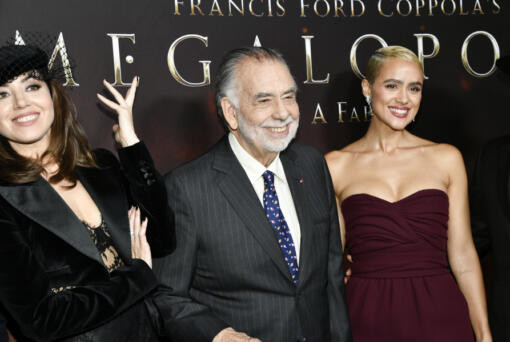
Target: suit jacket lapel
pixel 239 192
pixel 105 190
pixel 41 203
pixel 295 180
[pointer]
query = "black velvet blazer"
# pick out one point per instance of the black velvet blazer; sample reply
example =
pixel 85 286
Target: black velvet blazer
pixel 52 279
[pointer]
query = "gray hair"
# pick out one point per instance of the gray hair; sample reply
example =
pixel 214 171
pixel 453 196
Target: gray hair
pixel 226 81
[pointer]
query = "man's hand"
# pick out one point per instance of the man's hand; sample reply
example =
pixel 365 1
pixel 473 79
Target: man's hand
pixel 230 335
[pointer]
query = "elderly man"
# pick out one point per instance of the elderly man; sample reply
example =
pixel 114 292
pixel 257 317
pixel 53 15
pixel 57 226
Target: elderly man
pixel 258 243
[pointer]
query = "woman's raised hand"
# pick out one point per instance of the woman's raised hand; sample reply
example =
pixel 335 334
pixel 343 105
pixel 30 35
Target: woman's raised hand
pixel 140 248
pixel 124 130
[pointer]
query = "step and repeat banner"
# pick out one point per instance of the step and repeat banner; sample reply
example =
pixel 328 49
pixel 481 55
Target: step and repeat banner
pixel 175 46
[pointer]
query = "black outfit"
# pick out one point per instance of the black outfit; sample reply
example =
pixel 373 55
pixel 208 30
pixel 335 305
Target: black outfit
pixel 490 222
pixel 228 269
pixel 53 281
pixel 3 329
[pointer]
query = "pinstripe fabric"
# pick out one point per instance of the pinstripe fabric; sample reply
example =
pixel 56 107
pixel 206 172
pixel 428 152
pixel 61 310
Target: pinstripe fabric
pixel 228 269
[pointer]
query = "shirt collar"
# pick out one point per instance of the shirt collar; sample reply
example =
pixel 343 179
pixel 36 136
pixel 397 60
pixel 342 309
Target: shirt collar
pixel 253 168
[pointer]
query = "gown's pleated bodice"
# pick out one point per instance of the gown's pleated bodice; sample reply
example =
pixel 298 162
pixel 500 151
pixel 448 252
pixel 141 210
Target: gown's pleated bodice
pixel 401 288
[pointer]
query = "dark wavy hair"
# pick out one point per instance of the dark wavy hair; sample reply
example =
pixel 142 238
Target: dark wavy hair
pixel 68 147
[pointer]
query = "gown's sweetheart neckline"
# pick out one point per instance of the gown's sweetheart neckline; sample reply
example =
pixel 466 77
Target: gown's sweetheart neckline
pixel 400 200
pixel 400 251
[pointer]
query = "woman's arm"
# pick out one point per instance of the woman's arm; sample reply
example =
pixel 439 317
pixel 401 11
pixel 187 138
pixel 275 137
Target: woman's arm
pixel 461 251
pixel 334 162
pixel 146 190
pixel 145 185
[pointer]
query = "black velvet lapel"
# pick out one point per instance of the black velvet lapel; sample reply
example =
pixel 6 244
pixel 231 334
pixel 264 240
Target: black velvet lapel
pixel 296 181
pixel 40 202
pixel 239 192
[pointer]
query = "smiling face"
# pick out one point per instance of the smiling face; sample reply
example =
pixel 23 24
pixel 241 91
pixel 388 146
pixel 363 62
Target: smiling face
pixel 266 116
pixel 395 92
pixel 26 114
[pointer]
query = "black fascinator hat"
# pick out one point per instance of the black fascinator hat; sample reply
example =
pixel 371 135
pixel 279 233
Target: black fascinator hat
pixel 31 53
pixel 19 59
pixel 503 64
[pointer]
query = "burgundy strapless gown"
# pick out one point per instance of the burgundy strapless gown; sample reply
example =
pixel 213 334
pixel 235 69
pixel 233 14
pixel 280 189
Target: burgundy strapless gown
pixel 401 288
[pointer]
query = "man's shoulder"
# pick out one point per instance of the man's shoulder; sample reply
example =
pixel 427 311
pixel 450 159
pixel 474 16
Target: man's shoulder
pixel 199 164
pixel 302 151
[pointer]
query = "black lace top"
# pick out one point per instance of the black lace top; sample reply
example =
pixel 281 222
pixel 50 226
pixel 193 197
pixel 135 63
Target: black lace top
pixel 104 243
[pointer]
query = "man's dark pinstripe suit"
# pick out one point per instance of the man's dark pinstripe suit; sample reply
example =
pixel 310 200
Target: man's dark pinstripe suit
pixel 228 269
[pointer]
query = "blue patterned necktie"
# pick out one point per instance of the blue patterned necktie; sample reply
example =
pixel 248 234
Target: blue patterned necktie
pixel 280 227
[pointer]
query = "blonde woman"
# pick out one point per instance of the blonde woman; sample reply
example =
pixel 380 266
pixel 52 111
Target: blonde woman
pixel 404 215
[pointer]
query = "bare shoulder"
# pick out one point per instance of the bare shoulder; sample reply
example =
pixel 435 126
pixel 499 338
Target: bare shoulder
pixel 447 154
pixel 437 151
pixel 448 159
pixel 444 156
pixel 414 142
pixel 341 163
pixel 338 159
pixel 334 158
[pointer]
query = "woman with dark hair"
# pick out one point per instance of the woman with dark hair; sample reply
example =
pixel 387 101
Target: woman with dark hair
pixel 75 261
pixel 404 213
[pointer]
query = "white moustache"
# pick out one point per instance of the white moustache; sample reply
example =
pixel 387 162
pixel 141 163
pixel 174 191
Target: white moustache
pixel 277 123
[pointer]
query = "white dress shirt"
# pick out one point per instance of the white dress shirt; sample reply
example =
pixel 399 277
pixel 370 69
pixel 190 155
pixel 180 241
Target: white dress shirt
pixel 254 170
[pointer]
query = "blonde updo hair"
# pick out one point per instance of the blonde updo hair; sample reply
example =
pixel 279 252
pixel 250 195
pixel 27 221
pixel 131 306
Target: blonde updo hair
pixel 377 59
